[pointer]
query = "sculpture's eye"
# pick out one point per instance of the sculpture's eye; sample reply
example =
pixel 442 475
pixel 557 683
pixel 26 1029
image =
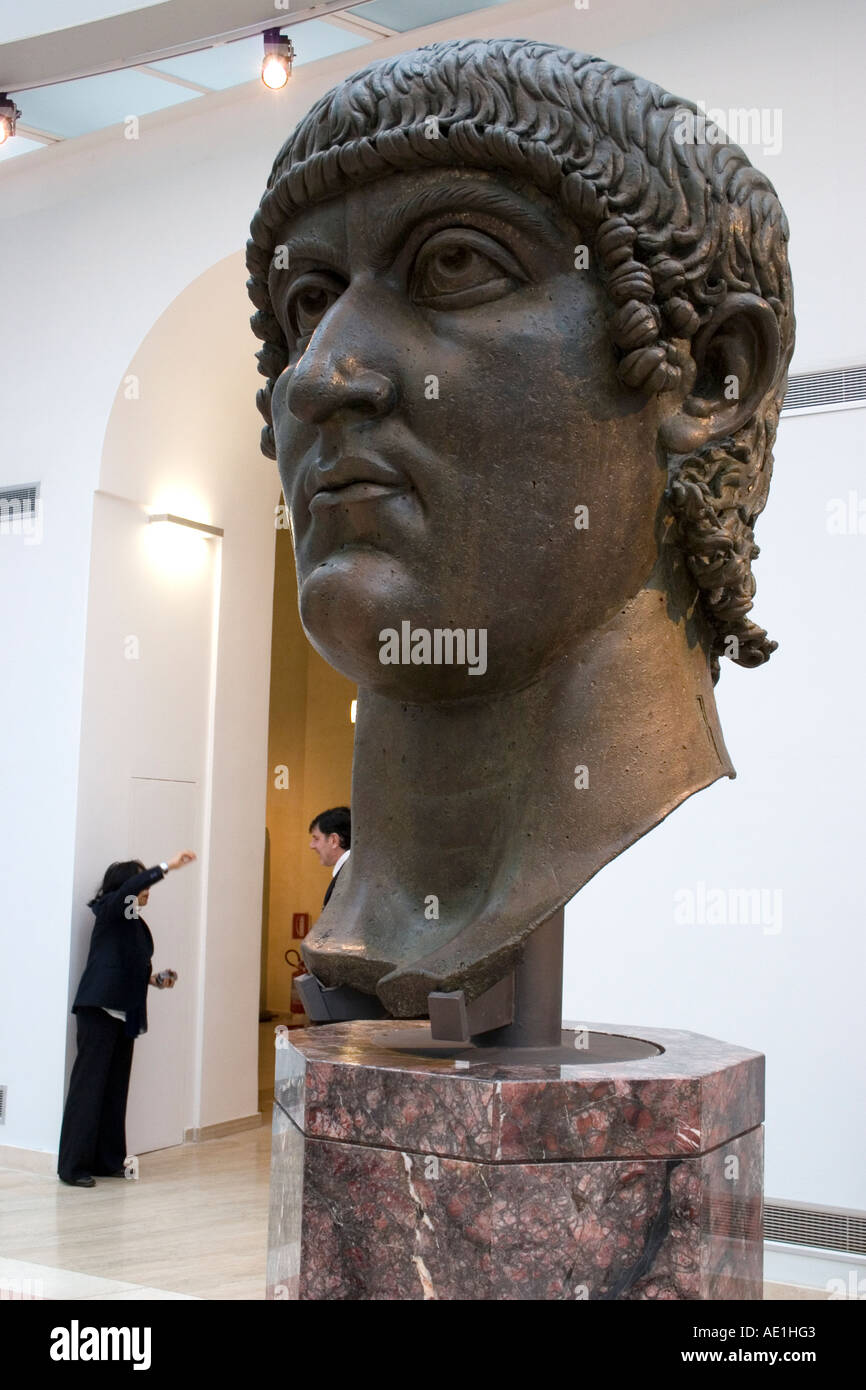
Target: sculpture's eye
pixel 308 300
pixel 458 268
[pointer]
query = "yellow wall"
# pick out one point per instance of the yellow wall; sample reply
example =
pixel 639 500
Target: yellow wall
pixel 311 734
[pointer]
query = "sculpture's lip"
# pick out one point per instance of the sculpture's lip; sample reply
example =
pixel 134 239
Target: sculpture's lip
pixel 360 491
pixel 340 479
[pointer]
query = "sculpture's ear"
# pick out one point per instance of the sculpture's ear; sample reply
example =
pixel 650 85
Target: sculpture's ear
pixel 736 357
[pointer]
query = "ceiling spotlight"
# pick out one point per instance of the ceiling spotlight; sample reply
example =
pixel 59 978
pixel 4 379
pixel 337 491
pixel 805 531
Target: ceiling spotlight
pixel 9 116
pixel 277 62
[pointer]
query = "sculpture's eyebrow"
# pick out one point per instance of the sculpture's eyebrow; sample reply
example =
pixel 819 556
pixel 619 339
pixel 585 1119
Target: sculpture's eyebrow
pixel 462 196
pixel 303 248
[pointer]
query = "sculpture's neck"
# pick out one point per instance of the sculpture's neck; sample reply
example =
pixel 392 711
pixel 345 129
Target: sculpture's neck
pixel 477 819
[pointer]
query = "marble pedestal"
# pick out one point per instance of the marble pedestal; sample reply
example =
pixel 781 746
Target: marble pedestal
pixel 626 1165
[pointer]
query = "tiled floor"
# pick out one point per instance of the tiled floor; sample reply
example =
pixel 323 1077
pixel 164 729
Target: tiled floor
pixel 22 1279
pixel 194 1225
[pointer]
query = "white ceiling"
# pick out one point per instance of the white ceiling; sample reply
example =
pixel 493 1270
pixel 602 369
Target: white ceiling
pixel 70 36
pixel 47 16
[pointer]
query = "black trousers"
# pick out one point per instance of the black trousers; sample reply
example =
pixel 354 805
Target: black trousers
pixel 93 1136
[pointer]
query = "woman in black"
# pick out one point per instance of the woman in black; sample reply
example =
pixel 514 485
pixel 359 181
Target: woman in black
pixel 111 1011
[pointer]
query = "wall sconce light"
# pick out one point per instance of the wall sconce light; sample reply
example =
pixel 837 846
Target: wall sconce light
pixel 353 711
pixel 185 521
pixel 277 63
pixel 179 548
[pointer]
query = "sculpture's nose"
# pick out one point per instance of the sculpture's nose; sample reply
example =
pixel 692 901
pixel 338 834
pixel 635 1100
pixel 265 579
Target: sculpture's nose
pixel 325 382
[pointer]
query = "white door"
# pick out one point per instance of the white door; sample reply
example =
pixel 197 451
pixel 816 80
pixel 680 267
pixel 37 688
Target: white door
pixel 163 821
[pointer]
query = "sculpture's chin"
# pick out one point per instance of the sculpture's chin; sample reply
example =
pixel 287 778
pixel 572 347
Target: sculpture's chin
pixel 343 651
pixel 389 626
pixel 367 615
pixel 344 602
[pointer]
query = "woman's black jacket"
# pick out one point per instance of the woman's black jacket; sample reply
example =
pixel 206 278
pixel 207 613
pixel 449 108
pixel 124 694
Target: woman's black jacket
pixel 118 966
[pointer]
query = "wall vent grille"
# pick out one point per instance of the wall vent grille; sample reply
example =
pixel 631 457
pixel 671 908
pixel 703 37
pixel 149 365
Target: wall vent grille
pixel 840 389
pixel 829 1228
pixel 2 1105
pixel 19 501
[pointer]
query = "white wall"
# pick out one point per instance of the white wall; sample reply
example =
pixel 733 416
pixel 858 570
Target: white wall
pixel 102 235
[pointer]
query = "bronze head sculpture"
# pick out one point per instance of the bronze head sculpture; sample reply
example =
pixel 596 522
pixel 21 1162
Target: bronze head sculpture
pixel 525 350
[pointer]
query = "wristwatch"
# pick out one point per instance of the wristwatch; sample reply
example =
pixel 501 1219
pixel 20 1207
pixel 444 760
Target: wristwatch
pixel 164 867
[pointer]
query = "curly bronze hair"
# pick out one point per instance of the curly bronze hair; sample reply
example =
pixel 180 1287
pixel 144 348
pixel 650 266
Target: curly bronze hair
pixel 676 225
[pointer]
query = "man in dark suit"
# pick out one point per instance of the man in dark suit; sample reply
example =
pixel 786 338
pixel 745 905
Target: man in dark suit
pixel 331 838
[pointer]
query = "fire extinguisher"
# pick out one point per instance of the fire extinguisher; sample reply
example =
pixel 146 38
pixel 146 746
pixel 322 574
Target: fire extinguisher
pixel 297 967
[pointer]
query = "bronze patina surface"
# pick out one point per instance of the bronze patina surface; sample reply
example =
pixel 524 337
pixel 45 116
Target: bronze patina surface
pixel 526 327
